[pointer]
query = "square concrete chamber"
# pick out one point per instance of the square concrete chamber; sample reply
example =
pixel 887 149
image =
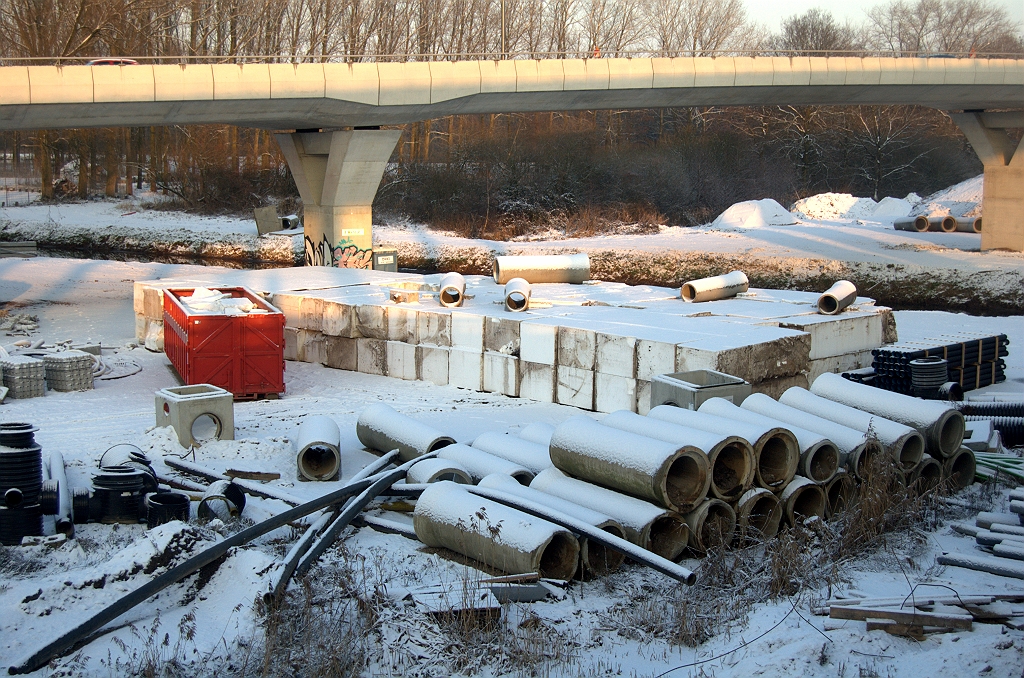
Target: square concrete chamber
pixel 197 413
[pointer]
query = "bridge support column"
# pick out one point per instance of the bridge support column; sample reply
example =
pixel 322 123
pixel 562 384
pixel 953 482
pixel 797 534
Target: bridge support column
pixel 1003 159
pixel 337 174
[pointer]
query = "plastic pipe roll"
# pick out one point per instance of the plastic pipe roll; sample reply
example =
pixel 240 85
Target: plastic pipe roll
pixel 717 287
pixel 435 470
pixel 319 448
pixel 968 224
pixel 648 526
pixel 941 425
pixel 531 456
pixel 552 268
pixel 451 290
pixel 381 428
pixel 538 432
pixel 670 475
pixel 836 298
pixel 904 444
pixel 449 517
pixel 480 463
pixel 517 295
pixel 918 224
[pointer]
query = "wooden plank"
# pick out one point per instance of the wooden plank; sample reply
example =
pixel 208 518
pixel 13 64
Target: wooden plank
pixel 896 629
pixel 912 617
pixel 252 475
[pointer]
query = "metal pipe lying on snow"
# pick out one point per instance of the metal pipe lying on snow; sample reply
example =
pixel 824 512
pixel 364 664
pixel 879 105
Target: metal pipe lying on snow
pixel 530 455
pixel 435 470
pixel 668 474
pixel 648 526
pixel 448 516
pixel 836 298
pixel 946 224
pixel 802 498
pixel 758 514
pixel 480 463
pixel 319 448
pixel 716 287
pixel 546 268
pixel 381 428
pixel 538 432
pixel 451 290
pixel 941 424
pixel 918 224
pixel 62 520
pixel 712 523
pixel 517 295
pixel 968 224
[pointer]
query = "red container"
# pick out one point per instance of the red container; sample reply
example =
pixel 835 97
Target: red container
pixel 243 354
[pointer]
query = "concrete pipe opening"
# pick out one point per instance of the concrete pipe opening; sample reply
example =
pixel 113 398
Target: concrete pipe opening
pixel 597 558
pixel 716 287
pixel 668 536
pixel 517 295
pixel 950 429
pixel 205 427
pixel 802 499
pixel 712 524
pixel 545 268
pixel 687 479
pixel 558 559
pixel 862 458
pixel 927 476
pixel 842 294
pixel 319 462
pixel 777 461
pixel 319 448
pixel 435 470
pixel 758 515
pixel 911 452
pixel 452 290
pixel 840 493
pixel 731 466
pixel 821 462
pixel 959 469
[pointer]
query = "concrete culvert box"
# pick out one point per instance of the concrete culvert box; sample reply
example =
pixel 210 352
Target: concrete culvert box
pixel 198 413
pixel 689 390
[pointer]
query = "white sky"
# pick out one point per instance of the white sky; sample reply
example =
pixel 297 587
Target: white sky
pixel 771 13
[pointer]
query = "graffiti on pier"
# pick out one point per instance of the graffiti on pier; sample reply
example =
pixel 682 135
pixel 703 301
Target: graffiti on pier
pixel 348 255
pixel 319 254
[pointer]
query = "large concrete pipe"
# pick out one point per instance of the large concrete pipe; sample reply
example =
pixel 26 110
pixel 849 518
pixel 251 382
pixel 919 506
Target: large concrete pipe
pixel 730 458
pixel 968 224
pixel 958 469
pixel 712 523
pixel 435 470
pixel 802 498
pixel 480 463
pixel 451 290
pixel 381 428
pixel 447 516
pixel 819 456
pixel 63 521
pixel 758 514
pixel 538 432
pixel 668 474
pixel 836 298
pixel 840 493
pixel 903 443
pixel 776 452
pixel 595 559
pixel 946 224
pixel 319 448
pixel 941 424
pixel 517 295
pixel 918 224
pixel 648 526
pixel 926 476
pixel 855 447
pixel 529 455
pixel 716 287
pixel 549 268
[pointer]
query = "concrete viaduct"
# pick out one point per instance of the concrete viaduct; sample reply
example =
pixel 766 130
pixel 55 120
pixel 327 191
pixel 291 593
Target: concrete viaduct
pixel 338 172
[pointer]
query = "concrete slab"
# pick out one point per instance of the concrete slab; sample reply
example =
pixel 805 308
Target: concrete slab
pixel 577 347
pixel 833 335
pixel 575 387
pixel 501 334
pixel 372 356
pixel 371 321
pixel 767 353
pixel 536 381
pixel 339 319
pixel 432 364
pixel 615 355
pixel 341 353
pixel 401 360
pixel 501 374
pixel 467 331
pixel 465 369
pixel 613 393
pixel 403 324
pixel 434 327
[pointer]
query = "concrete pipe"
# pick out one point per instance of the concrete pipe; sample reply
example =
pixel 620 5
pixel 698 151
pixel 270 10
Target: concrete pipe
pixel 517 295
pixel 1003 567
pixel 776 450
pixel 451 290
pixel 712 523
pixel 926 476
pixel 968 224
pixel 435 470
pixel 381 428
pixel 480 463
pixel 758 514
pixel 447 516
pixel 595 559
pixel 549 268
pixel 903 443
pixel 854 446
pixel 945 224
pixel 918 224
pixel 531 456
pixel 819 456
pixel 63 520
pixel 730 458
pixel 802 498
pixel 538 432
pixel 648 526
pixel 958 469
pixel 319 448
pixel 836 298
pixel 941 424
pixel 717 287
pixel 668 474
pixel 840 493
pixel 222 499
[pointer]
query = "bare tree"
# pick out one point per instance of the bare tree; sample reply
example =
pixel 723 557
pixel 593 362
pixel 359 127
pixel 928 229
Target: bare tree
pixel 959 26
pixel 816 33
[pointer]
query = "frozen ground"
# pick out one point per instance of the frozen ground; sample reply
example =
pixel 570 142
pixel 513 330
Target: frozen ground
pixel 601 627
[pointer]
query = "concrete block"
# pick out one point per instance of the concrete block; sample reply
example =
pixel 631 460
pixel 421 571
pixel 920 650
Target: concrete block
pixel 536 381
pixel 465 369
pixel 839 334
pixel 372 356
pixel 153 303
pixel 575 387
pixel 467 331
pixel 402 324
pixel 654 357
pixel 312 347
pixel 371 321
pixel 289 305
pixel 338 319
pixel 434 327
pixel 401 360
pixel 432 364
pixel 577 347
pixel 501 374
pixel 341 353
pixel 643 397
pixel 538 341
pixel 358 82
pixel 776 387
pixel 501 335
pixel 612 392
pixel 291 343
pixel 751 356
pixel 190 409
pixel 615 355
pixel 311 313
pixel 839 363
pixel 297 81
pixel 192 82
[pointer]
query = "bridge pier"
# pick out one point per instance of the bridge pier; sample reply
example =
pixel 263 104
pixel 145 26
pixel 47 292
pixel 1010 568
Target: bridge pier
pixel 338 174
pixel 1003 160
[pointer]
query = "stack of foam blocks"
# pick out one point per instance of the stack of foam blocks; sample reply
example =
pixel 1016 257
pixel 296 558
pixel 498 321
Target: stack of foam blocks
pixel 24 376
pixel 69 371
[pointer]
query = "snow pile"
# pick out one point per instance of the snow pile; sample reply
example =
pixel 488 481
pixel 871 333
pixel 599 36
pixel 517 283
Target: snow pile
pixel 832 206
pixel 893 208
pixel 959 200
pixel 754 214
pixel 205 300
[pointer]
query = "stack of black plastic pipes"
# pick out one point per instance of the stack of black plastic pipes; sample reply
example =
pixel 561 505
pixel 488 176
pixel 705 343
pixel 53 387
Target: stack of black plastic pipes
pixel 971 362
